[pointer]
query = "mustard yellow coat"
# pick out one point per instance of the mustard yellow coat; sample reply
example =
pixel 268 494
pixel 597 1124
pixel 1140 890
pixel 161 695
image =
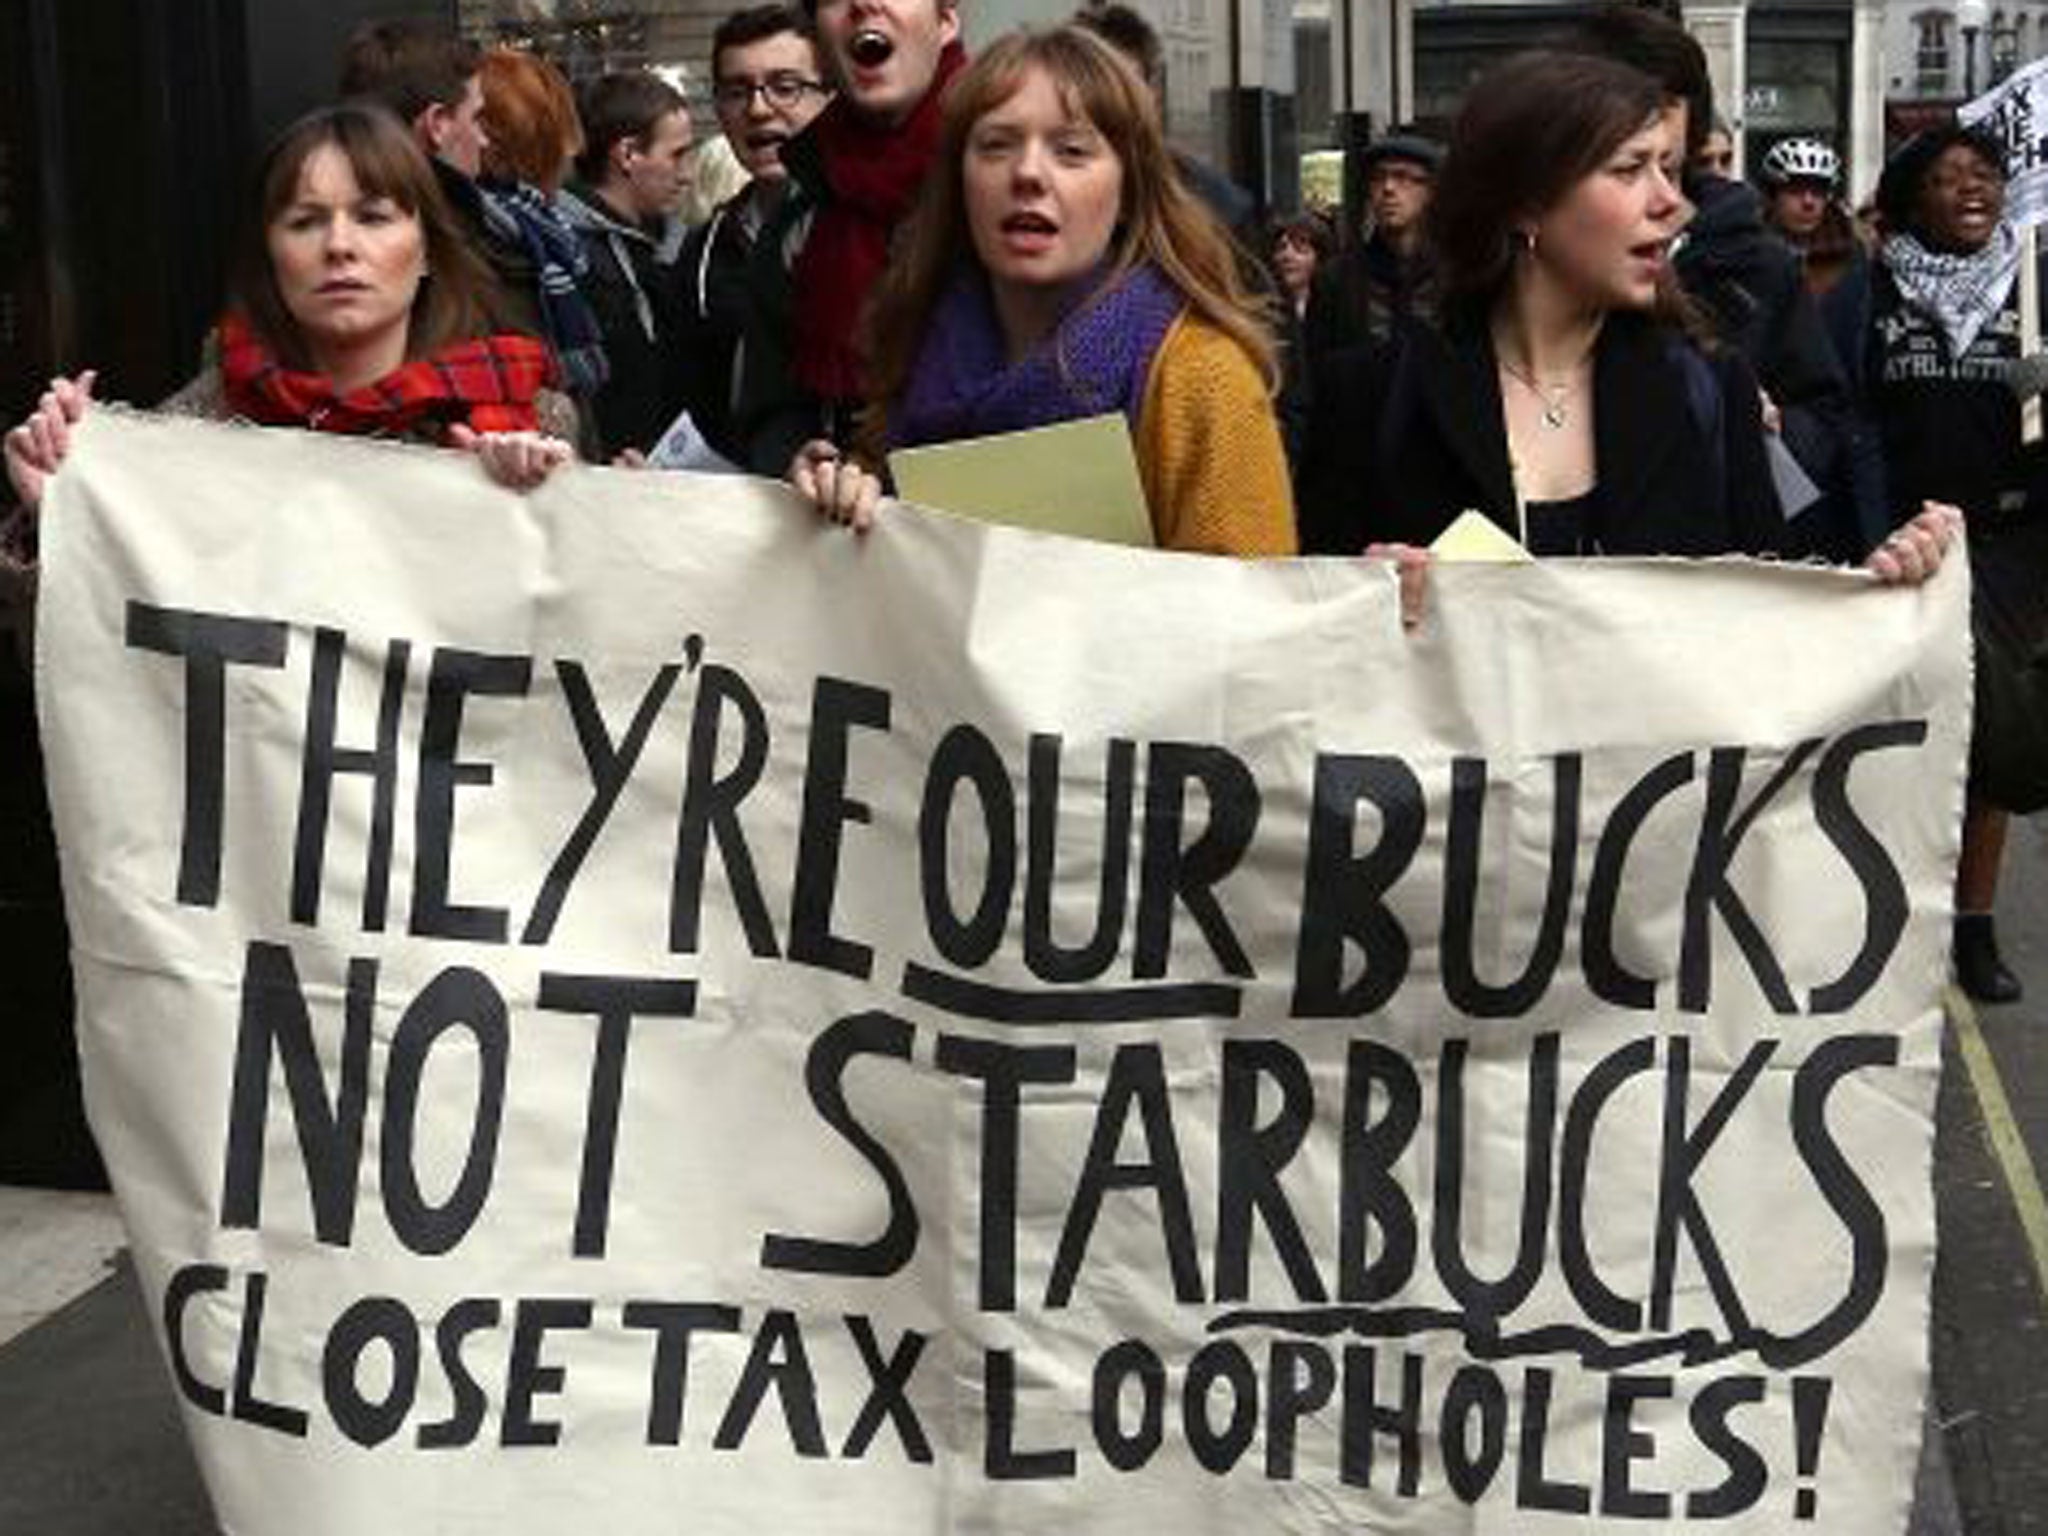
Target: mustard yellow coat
pixel 1208 448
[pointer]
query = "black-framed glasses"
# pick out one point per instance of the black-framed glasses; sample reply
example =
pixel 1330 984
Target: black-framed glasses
pixel 782 92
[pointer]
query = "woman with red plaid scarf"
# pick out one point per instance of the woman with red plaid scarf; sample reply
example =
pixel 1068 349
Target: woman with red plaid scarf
pixel 358 308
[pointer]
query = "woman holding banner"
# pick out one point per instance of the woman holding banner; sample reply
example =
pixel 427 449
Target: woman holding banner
pixel 357 307
pixel 1058 269
pixel 1947 379
pixel 1568 393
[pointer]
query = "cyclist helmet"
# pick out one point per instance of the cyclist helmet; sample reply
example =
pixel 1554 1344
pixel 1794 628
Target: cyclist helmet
pixel 1801 160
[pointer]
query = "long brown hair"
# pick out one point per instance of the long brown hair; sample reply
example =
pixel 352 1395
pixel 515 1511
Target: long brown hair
pixel 460 299
pixel 1161 221
pixel 1532 128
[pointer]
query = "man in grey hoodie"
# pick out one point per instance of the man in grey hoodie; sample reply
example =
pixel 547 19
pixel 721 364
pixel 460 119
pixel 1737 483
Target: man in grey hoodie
pixel 629 181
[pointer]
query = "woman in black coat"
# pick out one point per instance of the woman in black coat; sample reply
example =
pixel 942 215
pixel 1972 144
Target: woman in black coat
pixel 1560 395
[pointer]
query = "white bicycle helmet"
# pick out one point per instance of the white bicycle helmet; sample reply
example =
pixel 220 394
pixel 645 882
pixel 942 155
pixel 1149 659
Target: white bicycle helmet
pixel 1801 160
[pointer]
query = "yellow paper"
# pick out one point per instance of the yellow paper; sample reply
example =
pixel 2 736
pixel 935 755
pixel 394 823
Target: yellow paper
pixel 1475 536
pixel 1079 478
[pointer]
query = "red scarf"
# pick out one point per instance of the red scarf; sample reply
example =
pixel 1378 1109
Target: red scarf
pixel 488 384
pixel 874 171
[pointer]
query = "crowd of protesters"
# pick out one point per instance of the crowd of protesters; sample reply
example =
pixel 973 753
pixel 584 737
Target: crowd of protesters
pixel 1571 316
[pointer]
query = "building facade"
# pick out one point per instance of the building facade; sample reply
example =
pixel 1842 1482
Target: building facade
pixel 1940 52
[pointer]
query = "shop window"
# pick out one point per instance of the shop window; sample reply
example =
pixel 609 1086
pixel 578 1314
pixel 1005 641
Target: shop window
pixel 1931 54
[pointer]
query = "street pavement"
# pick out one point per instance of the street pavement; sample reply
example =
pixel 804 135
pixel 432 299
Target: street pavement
pixel 1991 1276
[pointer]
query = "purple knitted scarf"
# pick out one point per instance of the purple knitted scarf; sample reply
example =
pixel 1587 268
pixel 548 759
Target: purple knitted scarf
pixel 1098 360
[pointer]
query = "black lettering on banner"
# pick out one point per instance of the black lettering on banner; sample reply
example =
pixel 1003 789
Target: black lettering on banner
pixel 469 1401
pixel 888 1398
pixel 1131 1360
pixel 1474 1440
pixel 1002 1071
pixel 711 808
pixel 616 1001
pixel 965 756
pixel 837 707
pixel 1684 1151
pixel 1190 872
pixel 452 677
pixel 1462 983
pixel 1136 1079
pixel 526 1377
pixel 1748 1474
pixel 1370 1195
pixel 276 1022
pixel 1342 893
pixel 1575 1166
pixel 1834 1175
pixel 1606 977
pixel 1624 1445
pixel 610 768
pixel 862 1034
pixel 1301 1378
pixel 1366 1417
pixel 1220 1361
pixel 1044 956
pixel 1534 1488
pixel 210 643
pixel 323 760
pixel 1002 1462
pixel 1250 1157
pixel 372 1320
pixel 1884 891
pixel 459 998
pixel 246 1405
pixel 777 1360
pixel 674 1324
pixel 1707 890
pixel 186 1282
pixel 1485 1302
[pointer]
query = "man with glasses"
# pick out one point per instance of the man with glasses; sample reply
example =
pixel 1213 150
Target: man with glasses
pixel 766 87
pixel 853 174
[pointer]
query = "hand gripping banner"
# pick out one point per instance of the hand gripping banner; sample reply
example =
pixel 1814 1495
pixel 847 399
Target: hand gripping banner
pixel 628 1004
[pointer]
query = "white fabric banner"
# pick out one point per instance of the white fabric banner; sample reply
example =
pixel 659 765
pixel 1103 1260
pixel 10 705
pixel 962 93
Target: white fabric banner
pixel 629 1007
pixel 2016 113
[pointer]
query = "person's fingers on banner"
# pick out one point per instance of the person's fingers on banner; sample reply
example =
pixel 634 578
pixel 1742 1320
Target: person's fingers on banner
pixel 36 448
pixel 518 461
pixel 1411 569
pixel 841 490
pixel 1915 550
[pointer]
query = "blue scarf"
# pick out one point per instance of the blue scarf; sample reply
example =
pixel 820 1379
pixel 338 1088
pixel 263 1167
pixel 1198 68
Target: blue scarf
pixel 1097 360
pixel 522 216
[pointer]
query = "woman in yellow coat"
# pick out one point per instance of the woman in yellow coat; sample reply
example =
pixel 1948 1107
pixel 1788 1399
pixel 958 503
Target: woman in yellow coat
pixel 1057 269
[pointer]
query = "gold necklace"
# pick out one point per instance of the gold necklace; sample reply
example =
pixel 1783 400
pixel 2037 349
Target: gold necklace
pixel 1551 397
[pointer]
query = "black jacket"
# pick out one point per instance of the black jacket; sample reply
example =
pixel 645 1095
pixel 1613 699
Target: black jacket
pixel 1409 434
pixel 1951 425
pixel 713 291
pixel 1754 289
pixel 632 292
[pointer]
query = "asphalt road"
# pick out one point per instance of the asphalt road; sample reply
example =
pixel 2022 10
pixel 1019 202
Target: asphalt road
pixel 1991 1277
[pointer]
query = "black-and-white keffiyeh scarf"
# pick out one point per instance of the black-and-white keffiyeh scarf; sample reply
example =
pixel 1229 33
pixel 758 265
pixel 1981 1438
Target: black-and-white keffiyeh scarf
pixel 1962 293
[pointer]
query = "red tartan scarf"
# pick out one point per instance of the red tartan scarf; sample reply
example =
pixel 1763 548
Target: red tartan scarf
pixel 874 171
pixel 488 384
